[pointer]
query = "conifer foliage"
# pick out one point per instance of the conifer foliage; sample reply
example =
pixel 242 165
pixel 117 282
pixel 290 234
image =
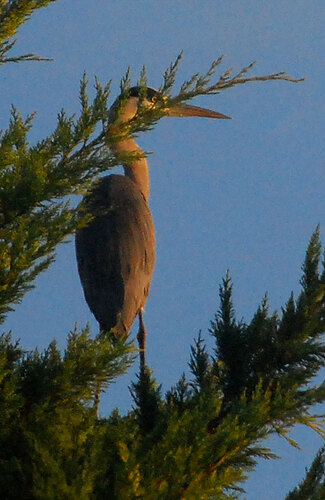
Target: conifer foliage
pixel 202 438
pixel 313 486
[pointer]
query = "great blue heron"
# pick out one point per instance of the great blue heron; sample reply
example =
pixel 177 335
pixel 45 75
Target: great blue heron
pixel 116 249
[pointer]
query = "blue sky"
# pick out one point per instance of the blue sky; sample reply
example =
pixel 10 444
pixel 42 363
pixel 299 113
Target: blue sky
pixel 244 194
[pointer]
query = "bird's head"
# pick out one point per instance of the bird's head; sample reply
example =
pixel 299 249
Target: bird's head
pixel 126 108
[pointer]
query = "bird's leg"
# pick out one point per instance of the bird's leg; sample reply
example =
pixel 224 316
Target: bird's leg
pixel 97 397
pixel 99 383
pixel 142 334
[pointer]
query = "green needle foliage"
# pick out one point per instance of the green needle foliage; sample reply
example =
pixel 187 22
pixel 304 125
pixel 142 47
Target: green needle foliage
pixel 313 486
pixel 47 414
pixel 13 13
pixel 203 437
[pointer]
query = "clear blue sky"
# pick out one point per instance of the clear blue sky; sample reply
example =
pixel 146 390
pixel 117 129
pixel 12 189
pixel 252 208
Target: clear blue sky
pixel 244 194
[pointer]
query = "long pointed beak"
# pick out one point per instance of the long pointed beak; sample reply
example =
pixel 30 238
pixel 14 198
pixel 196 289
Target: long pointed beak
pixel 187 110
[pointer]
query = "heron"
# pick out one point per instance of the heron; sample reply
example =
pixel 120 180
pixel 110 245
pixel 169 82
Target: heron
pixel 116 248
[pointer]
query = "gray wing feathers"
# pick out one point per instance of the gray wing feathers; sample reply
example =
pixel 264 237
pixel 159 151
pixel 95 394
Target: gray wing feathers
pixel 116 252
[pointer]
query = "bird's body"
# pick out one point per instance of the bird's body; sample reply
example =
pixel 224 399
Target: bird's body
pixel 116 252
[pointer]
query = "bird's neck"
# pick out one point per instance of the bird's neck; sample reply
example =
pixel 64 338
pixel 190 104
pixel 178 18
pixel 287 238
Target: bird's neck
pixel 136 169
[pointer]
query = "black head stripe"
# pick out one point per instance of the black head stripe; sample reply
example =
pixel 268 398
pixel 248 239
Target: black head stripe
pixel 134 92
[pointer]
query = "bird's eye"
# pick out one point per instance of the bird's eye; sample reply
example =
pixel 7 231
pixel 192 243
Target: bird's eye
pixel 154 99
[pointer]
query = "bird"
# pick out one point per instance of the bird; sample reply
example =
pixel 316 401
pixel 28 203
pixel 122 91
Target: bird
pixel 115 249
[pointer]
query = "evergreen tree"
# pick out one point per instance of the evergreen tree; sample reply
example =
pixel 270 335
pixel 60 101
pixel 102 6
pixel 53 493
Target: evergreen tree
pixel 203 437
